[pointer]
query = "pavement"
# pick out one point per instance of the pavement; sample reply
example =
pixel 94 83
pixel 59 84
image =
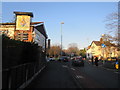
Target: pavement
pixel 106 65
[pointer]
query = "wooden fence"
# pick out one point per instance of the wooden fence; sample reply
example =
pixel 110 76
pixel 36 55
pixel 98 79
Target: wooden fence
pixel 21 62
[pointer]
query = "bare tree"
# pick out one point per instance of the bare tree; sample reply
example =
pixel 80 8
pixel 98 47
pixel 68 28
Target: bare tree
pixel 112 25
pixel 54 50
pixel 108 37
pixel 112 20
pixel 73 48
pixel 83 52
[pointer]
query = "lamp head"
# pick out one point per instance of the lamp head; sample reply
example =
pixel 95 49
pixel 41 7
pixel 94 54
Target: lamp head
pixel 62 22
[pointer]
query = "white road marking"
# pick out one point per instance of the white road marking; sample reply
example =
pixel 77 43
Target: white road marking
pixel 65 66
pixel 116 72
pixel 72 68
pixel 110 70
pixel 78 76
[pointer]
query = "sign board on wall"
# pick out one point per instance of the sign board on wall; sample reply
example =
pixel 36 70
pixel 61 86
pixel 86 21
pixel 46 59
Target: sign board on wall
pixel 22 22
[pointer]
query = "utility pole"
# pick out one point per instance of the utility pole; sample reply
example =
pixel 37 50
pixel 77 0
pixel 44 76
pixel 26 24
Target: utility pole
pixel 61 37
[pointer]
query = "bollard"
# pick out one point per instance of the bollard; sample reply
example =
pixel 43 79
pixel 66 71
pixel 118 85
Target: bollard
pixel 116 65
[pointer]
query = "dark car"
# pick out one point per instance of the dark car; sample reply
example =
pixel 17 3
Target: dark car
pixel 78 62
pixel 63 58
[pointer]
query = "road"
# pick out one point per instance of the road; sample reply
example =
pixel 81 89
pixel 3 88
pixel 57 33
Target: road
pixel 91 76
pixel 64 75
pixel 55 75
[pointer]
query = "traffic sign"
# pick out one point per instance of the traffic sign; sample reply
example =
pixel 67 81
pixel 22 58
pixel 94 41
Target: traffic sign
pixel 103 45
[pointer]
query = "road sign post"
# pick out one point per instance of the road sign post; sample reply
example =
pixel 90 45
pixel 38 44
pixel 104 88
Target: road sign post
pixel 116 65
pixel 103 46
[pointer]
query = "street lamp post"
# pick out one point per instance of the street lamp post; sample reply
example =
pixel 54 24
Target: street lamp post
pixel 61 37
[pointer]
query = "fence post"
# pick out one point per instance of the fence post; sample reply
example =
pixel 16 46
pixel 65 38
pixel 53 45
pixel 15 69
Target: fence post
pixel 34 68
pixel 9 79
pixel 26 76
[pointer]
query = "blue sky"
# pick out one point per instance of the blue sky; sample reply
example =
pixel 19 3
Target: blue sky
pixel 83 21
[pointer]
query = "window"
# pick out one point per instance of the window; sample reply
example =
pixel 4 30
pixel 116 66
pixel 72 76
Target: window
pixel 25 38
pixel 25 33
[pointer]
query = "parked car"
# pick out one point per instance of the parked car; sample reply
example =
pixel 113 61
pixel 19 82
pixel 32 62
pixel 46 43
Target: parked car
pixel 51 59
pixel 111 58
pixel 73 58
pixel 63 58
pixel 78 62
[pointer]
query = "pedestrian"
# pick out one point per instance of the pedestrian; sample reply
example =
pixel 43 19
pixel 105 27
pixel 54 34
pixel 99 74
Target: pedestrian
pixel 92 59
pixel 96 60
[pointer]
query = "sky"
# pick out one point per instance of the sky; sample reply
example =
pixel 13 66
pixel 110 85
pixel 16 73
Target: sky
pixel 84 22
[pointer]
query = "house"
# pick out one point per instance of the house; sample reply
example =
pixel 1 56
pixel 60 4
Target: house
pixel 22 29
pixel 96 49
pixel 9 29
pixel 40 36
pixel 88 52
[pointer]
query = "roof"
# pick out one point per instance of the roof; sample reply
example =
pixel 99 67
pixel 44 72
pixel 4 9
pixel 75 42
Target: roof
pixel 41 29
pixel 97 43
pixel 24 13
pixel 107 43
pixel 89 47
pixel 32 23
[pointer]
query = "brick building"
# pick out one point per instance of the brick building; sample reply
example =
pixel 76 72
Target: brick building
pixel 24 29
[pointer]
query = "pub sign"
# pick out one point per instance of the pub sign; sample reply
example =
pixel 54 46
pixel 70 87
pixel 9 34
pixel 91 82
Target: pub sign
pixel 23 22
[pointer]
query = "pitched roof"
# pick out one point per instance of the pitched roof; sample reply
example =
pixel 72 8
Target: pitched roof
pixel 41 29
pixel 97 43
pixel 89 46
pixel 107 43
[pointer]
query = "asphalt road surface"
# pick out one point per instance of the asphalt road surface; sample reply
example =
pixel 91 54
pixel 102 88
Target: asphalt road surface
pixel 55 75
pixel 91 76
pixel 64 75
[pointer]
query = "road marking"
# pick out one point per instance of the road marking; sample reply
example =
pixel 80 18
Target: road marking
pixel 116 72
pixel 78 76
pixel 65 66
pixel 72 68
pixel 110 70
